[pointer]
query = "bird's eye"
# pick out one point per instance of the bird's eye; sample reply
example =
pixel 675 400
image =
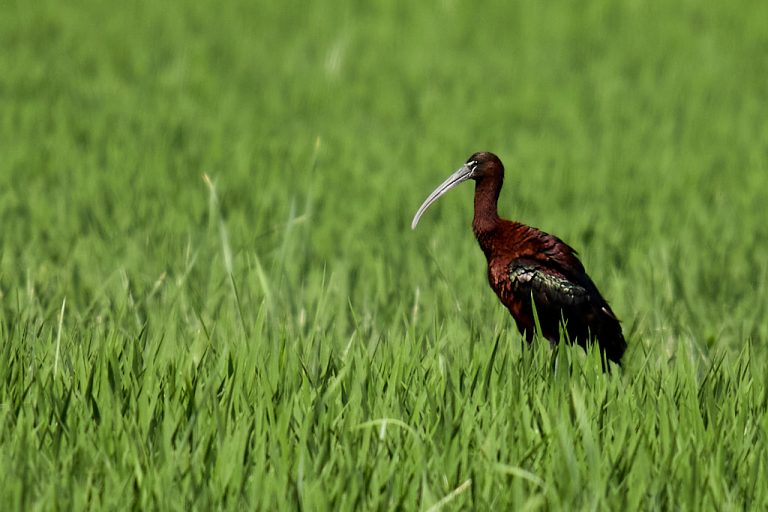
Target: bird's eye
pixel 472 164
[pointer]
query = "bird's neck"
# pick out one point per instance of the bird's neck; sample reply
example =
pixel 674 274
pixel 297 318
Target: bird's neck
pixel 486 215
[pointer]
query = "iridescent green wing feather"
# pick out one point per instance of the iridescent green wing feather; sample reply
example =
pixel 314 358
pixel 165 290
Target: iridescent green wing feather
pixel 547 286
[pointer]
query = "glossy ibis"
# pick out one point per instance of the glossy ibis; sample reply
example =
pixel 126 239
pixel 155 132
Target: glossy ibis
pixel 527 268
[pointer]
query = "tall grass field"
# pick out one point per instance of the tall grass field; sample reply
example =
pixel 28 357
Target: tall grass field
pixel 211 297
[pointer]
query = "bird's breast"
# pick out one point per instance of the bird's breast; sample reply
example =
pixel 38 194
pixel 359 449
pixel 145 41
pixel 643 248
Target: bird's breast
pixel 498 278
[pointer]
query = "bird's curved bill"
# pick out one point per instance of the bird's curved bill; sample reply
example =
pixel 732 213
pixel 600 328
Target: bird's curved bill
pixel 454 179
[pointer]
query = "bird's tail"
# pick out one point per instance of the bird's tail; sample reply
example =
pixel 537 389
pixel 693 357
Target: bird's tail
pixel 609 335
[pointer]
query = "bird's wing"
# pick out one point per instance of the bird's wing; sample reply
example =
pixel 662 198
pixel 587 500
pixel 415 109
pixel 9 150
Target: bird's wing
pixel 549 270
pixel 556 292
pixel 548 285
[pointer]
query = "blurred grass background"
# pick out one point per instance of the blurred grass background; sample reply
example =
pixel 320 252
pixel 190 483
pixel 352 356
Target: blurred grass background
pixel 286 305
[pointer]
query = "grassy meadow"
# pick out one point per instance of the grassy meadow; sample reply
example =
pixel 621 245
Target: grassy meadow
pixel 211 298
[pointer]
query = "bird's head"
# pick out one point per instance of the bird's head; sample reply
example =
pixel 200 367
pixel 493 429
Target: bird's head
pixel 477 167
pixel 484 164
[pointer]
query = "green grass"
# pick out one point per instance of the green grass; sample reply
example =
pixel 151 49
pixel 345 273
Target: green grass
pixel 210 296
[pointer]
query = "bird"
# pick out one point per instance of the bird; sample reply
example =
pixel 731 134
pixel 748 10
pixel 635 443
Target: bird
pixel 534 274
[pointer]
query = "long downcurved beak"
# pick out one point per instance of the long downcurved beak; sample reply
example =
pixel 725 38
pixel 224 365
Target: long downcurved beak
pixel 454 179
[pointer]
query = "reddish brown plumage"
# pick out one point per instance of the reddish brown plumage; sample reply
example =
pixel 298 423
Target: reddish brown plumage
pixel 528 268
